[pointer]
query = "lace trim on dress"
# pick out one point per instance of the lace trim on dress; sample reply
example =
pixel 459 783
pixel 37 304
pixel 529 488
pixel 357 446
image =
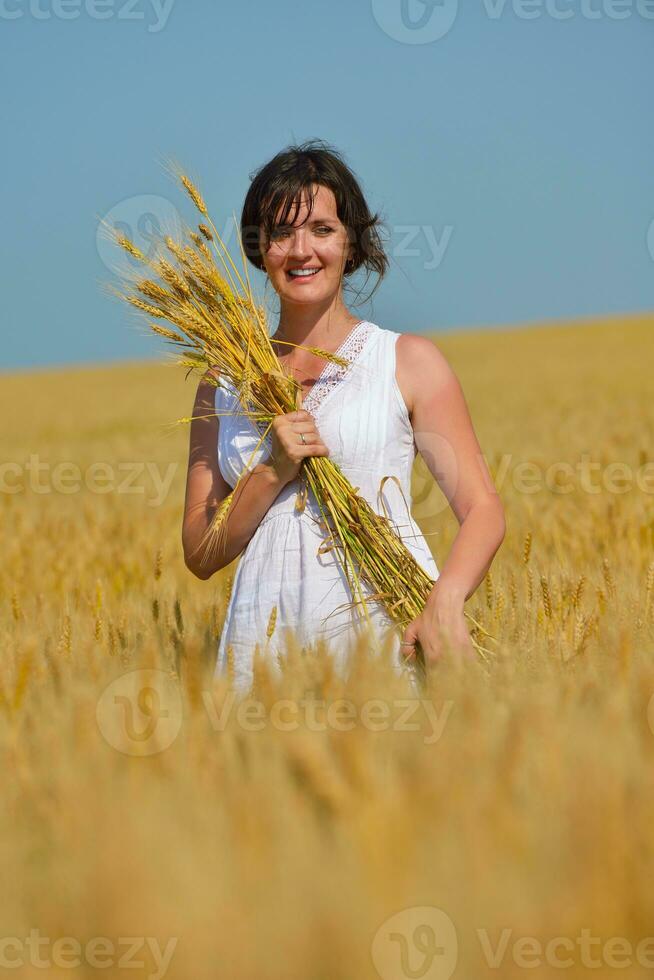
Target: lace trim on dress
pixel 333 374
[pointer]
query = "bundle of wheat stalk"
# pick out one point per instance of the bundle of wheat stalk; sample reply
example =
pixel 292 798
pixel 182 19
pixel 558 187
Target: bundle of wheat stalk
pixel 220 329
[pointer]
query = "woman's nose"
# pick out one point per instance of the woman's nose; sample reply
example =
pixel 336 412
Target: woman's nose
pixel 299 244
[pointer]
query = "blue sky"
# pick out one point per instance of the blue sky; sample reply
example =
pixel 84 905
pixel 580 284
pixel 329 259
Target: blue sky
pixel 508 146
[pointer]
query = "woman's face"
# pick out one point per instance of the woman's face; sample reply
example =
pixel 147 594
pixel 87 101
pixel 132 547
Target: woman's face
pixel 319 244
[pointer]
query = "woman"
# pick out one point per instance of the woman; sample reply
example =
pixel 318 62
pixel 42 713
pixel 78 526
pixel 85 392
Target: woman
pixel 305 222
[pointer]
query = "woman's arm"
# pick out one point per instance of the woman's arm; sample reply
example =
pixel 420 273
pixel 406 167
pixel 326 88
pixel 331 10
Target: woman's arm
pixel 206 488
pixel 445 437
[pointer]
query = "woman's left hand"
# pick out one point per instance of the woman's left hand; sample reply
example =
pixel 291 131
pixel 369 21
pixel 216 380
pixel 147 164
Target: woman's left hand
pixel 438 628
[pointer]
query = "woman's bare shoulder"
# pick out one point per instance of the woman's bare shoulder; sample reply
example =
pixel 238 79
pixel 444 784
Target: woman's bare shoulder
pixel 420 366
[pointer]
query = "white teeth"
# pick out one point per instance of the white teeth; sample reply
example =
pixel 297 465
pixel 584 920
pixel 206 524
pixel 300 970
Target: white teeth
pixel 303 272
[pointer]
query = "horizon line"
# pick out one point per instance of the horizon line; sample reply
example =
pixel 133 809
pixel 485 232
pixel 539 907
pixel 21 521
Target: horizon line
pixel 118 362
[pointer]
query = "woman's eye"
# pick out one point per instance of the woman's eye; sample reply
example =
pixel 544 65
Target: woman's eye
pixel 283 232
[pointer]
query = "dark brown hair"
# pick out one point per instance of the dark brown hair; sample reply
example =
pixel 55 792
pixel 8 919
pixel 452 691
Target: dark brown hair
pixel 282 183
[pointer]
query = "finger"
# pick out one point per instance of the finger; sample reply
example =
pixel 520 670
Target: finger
pixel 312 442
pixel 305 452
pixel 311 436
pixel 313 448
pixel 411 632
pixel 408 642
pixel 299 430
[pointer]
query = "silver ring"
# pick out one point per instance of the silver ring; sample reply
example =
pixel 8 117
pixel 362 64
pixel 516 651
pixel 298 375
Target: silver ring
pixel 302 438
pixel 407 643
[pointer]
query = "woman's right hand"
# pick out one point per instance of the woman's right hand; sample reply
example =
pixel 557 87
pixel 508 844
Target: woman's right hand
pixel 289 450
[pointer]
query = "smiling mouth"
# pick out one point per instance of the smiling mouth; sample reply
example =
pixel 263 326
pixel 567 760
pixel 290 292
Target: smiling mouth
pixel 302 275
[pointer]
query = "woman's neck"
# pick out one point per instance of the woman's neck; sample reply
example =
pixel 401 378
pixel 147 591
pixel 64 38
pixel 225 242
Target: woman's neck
pixel 326 330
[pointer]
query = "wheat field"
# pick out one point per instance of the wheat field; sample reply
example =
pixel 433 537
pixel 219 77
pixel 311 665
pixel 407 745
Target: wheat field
pixel 331 828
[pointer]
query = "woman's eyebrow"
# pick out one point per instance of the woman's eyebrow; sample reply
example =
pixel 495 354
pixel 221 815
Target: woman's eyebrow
pixel 314 221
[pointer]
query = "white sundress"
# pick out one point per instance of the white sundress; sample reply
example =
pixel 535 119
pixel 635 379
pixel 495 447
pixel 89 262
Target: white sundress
pixel 362 418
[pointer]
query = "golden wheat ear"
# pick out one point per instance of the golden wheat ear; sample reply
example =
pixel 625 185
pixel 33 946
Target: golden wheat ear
pixel 214 536
pixel 193 193
pixel 272 621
